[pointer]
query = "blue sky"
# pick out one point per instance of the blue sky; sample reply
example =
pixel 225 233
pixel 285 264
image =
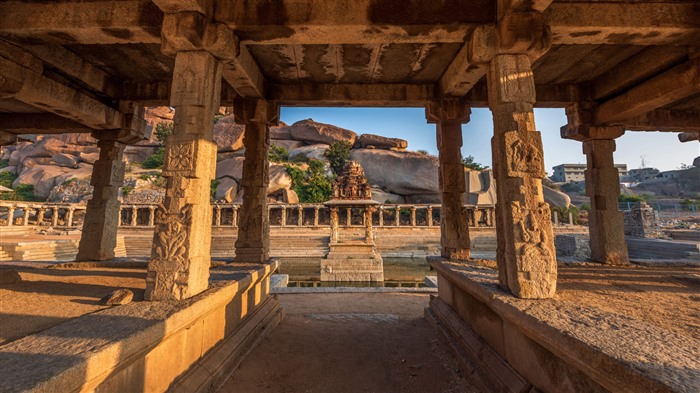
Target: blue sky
pixel 661 150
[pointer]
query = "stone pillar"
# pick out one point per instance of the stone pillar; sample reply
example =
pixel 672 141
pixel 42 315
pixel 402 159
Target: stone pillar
pixel 25 217
pixel 369 233
pixel 605 221
pixel 300 216
pixel 253 242
pixel 334 224
pixel 430 216
pixel 397 217
pixel 217 216
pixel 449 114
pixel 69 216
pixel 283 215
pixel 54 217
pixel 381 216
pixel 134 216
pixel 348 211
pixel 316 209
pixel 180 259
pixel 151 216
pixel 526 257
pixel 99 235
pixel 11 216
pixel 413 216
pixel 234 216
pixel 40 216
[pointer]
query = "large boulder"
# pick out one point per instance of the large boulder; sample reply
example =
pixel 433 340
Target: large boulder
pixel 556 198
pixel 42 177
pixel 65 160
pixel 312 132
pixel 89 158
pixel 382 196
pixel 696 162
pixel 424 198
pixel 480 186
pixel 399 172
pixel 136 153
pixel 228 135
pixel 381 142
pixel 316 152
pixel 282 132
pixel 233 167
pixel 287 144
pixel 226 190
pixel 279 179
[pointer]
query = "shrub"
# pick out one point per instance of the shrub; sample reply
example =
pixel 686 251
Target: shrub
pixel 4 163
pixel 212 189
pixel 155 160
pixel 278 154
pixel 423 152
pixel 469 162
pixel 633 198
pixel 337 154
pixel 311 185
pixel 563 213
pixel 126 190
pixel 6 179
pixel 164 130
pixel 23 192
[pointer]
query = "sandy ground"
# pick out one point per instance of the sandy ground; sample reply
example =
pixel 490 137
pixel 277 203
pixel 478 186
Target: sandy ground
pixel 666 297
pixel 47 297
pixel 359 342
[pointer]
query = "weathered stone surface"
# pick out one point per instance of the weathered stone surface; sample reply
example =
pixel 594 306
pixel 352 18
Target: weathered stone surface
pixel 382 196
pixel 316 151
pixel 287 144
pixel 381 142
pixel 72 192
pixel 411 173
pixel 42 177
pixel 555 197
pixel 288 196
pixel 641 221
pixel 312 132
pixel 281 132
pixel 11 169
pixel 9 276
pixel 228 135
pixel 65 160
pixel 89 158
pixel 481 187
pixel 118 297
pixel 232 167
pixel 227 190
pixel 424 198
pixel 696 162
pixel 279 179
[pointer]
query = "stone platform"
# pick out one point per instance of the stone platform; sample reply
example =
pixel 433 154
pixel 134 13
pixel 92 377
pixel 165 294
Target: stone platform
pixel 352 261
pixel 185 346
pixel 607 329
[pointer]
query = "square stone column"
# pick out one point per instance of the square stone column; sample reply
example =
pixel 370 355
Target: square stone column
pixel 605 222
pixel 99 235
pixel 449 114
pixel 253 242
pixel 527 263
pixel 180 259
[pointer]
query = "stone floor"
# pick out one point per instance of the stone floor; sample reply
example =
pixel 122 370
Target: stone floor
pixel 351 342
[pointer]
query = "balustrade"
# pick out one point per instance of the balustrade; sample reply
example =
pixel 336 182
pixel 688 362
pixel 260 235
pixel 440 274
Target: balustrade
pixel 226 215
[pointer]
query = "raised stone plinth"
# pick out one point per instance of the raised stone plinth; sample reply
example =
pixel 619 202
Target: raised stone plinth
pixel 352 261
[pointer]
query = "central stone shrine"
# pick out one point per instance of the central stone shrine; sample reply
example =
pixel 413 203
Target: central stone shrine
pixel 352 256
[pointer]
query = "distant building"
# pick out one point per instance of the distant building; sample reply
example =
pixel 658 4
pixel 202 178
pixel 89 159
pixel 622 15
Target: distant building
pixel 567 173
pixel 643 174
pixel 670 174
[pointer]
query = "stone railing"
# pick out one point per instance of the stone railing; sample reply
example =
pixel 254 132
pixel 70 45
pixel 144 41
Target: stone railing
pixel 318 215
pixel 58 215
pixel 226 215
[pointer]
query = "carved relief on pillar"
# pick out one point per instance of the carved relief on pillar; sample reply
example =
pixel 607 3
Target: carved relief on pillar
pixel 524 154
pixel 168 268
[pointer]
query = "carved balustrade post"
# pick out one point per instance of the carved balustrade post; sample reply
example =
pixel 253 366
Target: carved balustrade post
pixel 413 216
pixel 25 216
pixel 54 217
pixel 234 216
pixel 429 215
pixel 217 215
pixel 134 216
pixel 526 257
pixel 10 215
pixel 397 218
pixel 69 218
pixel 334 224
pixel 369 232
pixel 300 216
pixel 253 242
pixel 381 216
pixel 40 216
pixel 349 216
pixel 316 213
pixel 103 215
pixel 283 214
pixel 449 114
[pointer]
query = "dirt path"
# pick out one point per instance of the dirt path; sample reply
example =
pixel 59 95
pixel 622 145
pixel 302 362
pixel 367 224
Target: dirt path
pixel 350 343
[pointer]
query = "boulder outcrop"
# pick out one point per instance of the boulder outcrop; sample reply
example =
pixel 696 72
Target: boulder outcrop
pixel 381 142
pixel 402 173
pixel 228 135
pixel 313 132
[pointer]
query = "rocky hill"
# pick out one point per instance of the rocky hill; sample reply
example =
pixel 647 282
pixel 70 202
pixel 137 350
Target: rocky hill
pixel 58 167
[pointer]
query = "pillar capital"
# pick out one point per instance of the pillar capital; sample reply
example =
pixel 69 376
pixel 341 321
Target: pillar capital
pixel 256 110
pixel 449 109
pixel 580 126
pixel 133 125
pixel 517 32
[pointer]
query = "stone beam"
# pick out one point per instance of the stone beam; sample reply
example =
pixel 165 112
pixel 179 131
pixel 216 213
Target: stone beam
pixel 39 123
pixel 73 22
pixel 689 136
pixel 644 65
pixel 74 67
pixel 666 120
pixel 358 21
pixel 396 95
pixel 676 84
pixel 632 23
pixel 27 84
pixel 158 93
pixel 548 96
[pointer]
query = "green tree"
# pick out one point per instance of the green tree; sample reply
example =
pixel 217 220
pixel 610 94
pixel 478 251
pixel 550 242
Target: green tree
pixel 278 154
pixel 469 162
pixel 311 185
pixel 337 154
pixel 164 130
pixel 155 160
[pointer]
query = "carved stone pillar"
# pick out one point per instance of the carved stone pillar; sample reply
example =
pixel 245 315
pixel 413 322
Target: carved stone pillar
pixel 334 224
pixel 180 259
pixel 217 215
pixel 151 216
pixel 99 235
pixel 253 242
pixel 449 114
pixel 300 215
pixel 283 216
pixel 526 257
pixel 369 232
pixel 11 216
pixel 605 221
pixel 134 216
pixel 69 216
pixel 316 211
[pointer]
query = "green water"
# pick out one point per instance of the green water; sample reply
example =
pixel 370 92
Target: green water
pixel 398 272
